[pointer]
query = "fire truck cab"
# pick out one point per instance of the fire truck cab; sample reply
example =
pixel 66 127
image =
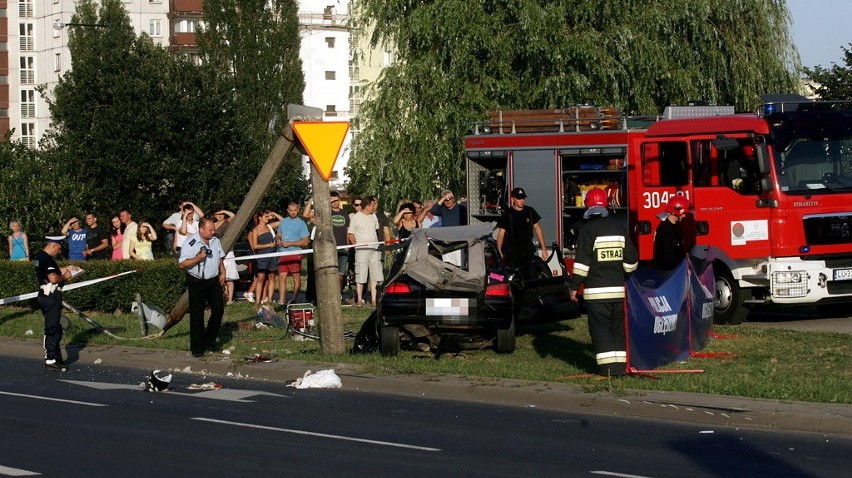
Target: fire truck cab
pixel 771 190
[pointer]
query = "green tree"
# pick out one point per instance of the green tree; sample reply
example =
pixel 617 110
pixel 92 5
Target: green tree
pixel 456 60
pixel 40 205
pixel 254 47
pixel 835 83
pixel 137 127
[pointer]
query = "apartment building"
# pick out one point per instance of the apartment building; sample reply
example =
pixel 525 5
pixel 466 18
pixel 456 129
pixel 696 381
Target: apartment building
pixel 34 51
pixel 326 54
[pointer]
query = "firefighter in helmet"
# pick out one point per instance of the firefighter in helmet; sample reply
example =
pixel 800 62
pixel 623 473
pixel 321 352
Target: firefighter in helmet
pixel 742 171
pixel 668 238
pixel 604 258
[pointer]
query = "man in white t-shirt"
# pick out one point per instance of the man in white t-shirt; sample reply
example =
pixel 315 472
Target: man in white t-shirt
pixel 130 228
pixel 363 229
pixel 429 219
pixel 174 222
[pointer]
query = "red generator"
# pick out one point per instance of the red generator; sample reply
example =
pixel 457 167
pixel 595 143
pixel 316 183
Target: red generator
pixel 300 318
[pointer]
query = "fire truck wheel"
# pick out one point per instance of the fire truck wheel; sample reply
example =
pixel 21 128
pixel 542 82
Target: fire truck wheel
pixel 390 341
pixel 729 299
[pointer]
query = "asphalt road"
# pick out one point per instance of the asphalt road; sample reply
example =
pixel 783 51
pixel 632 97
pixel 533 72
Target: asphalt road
pixel 95 421
pixel 800 319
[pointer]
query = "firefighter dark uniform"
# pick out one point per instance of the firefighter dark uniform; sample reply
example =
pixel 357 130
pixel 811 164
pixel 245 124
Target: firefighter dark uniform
pixel 515 231
pixel 518 246
pixel 204 284
pixel 668 245
pixel 50 302
pixel 668 238
pixel 605 256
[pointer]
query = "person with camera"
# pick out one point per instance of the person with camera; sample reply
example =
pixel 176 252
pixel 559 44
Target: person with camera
pixel 201 257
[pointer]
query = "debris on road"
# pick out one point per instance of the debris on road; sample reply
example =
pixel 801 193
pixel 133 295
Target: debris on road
pixel 205 386
pixel 321 379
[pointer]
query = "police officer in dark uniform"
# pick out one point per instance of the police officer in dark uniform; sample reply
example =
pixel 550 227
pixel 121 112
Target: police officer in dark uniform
pixel 50 278
pixel 201 257
pixel 605 257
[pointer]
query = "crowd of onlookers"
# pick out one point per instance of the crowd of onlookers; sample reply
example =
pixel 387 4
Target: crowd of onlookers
pixel 125 239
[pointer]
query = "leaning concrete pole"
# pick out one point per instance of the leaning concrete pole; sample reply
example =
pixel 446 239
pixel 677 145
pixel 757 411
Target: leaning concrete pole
pixel 325 268
pixel 267 173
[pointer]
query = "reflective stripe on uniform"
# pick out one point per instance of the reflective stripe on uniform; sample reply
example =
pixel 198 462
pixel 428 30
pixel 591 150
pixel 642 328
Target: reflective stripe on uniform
pixel 629 268
pixel 581 270
pixel 616 356
pixel 609 241
pixel 600 293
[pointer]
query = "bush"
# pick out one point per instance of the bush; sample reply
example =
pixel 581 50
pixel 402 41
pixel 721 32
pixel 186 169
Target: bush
pixel 159 282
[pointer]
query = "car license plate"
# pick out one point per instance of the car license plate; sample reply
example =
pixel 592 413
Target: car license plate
pixel 444 307
pixel 842 274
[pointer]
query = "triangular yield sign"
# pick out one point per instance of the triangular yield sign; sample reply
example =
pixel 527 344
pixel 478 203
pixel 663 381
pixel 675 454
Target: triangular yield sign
pixel 322 140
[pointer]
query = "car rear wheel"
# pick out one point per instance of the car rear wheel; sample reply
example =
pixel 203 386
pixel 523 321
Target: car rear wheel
pixel 506 339
pixel 390 341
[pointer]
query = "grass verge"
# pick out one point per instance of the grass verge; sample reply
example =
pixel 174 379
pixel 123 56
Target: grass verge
pixel 772 364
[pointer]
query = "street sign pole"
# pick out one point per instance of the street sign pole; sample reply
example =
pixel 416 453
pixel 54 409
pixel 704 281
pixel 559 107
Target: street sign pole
pixel 322 142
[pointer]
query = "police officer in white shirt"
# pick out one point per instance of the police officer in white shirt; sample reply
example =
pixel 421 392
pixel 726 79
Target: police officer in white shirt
pixel 201 257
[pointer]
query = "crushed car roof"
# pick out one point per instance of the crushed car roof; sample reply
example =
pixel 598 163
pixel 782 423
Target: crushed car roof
pixel 432 271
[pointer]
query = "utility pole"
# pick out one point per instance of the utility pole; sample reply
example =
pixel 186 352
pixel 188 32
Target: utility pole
pixel 325 269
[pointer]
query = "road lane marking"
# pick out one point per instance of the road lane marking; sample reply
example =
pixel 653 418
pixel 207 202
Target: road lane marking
pixel 7 471
pixel 227 394
pixel 316 434
pixel 75 402
pixel 620 475
pixel 102 385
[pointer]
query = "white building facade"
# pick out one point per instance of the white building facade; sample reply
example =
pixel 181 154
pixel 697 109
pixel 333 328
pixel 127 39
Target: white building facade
pixel 36 52
pixel 326 58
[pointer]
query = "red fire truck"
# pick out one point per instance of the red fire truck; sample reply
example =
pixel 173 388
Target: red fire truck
pixel 771 190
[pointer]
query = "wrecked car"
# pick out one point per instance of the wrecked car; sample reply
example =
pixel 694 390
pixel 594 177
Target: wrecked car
pixel 451 280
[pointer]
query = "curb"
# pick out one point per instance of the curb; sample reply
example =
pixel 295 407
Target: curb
pixel 700 409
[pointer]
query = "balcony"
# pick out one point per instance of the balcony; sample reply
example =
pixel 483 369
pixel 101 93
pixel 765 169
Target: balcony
pixel 4 98
pixel 187 6
pixel 322 19
pixel 184 40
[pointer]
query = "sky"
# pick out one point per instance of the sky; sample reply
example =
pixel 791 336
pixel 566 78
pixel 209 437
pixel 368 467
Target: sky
pixel 820 28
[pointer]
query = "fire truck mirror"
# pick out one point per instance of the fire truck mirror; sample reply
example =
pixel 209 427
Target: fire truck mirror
pixel 766 184
pixel 763 161
pixel 724 143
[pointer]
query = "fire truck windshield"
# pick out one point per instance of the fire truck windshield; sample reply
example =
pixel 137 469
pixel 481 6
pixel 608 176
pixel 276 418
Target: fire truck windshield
pixel 814 166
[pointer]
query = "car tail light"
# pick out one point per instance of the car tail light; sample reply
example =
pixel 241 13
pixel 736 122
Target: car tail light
pixel 498 290
pixel 398 288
